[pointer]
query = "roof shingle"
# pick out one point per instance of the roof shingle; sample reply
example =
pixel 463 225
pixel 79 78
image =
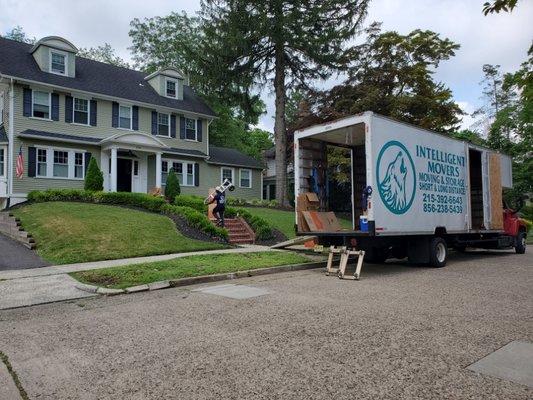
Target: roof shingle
pixel 95 77
pixel 232 157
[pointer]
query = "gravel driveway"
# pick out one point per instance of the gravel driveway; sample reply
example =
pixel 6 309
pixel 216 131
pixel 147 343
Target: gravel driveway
pixel 402 332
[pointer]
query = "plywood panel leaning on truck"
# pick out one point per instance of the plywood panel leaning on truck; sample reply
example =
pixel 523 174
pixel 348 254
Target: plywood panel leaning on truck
pixel 418 192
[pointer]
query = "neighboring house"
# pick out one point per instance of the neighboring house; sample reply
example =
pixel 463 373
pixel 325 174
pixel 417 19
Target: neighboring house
pixel 269 174
pixel 60 110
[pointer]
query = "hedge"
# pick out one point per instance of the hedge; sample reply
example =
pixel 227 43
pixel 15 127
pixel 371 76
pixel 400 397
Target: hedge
pixel 193 217
pixel 261 227
pixel 235 201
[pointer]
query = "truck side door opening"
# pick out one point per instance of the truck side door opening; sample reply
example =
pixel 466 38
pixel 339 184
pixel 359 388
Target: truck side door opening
pixel 476 188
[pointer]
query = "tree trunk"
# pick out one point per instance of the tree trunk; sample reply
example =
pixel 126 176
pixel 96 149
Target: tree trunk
pixel 280 134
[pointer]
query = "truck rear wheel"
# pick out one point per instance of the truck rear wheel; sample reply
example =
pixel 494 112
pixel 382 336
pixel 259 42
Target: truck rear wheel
pixel 520 247
pixel 438 252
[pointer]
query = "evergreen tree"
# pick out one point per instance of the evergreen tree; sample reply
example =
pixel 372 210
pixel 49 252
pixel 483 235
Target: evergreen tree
pixel 94 178
pixel 279 42
pixel 172 187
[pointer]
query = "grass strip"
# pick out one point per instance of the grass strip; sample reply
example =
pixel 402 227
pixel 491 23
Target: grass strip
pixel 14 376
pixel 138 274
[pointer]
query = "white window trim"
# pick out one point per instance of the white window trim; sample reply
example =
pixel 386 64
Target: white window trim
pixel 88 111
pixel 222 174
pixel 4 150
pixel 131 117
pixel 50 163
pixel 195 129
pixel 63 53
pixel 165 136
pixel 2 108
pixel 49 105
pixel 240 178
pixel 176 83
pixel 184 163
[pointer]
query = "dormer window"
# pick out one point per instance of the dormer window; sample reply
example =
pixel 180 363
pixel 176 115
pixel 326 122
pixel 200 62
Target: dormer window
pixel 171 88
pixel 58 62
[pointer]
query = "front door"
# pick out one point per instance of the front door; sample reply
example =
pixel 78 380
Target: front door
pixel 123 175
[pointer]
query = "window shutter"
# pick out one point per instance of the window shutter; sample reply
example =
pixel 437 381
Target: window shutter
pixel 182 127
pixel 199 126
pixel 94 113
pixel 154 122
pixel 173 126
pixel 27 103
pixel 135 118
pixel 55 107
pixel 114 117
pixel 68 108
pixel 196 174
pixel 87 160
pixel 32 159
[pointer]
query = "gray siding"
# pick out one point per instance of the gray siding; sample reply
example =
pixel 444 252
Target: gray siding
pixel 103 128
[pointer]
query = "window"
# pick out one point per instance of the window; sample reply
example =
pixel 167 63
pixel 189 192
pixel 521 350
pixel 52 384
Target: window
pixel 183 170
pixel 190 175
pixel 164 172
pixel 78 165
pixel 41 104
pixel 41 162
pixel 171 88
pixel 58 63
pixel 61 164
pixel 226 173
pixel 81 111
pixel 135 168
pixel 124 116
pixel 190 129
pixel 163 123
pixel 245 179
pixel 2 162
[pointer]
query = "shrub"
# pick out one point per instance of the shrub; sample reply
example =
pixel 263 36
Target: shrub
pixel 94 178
pixel 172 187
pixel 187 200
pixel 196 219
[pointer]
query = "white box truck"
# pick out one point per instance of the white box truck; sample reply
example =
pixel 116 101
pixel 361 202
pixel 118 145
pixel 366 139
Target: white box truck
pixel 414 193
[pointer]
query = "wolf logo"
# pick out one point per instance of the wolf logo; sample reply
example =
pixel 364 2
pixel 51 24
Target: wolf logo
pixel 392 187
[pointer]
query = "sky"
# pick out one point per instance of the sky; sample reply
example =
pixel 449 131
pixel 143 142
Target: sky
pixel 495 39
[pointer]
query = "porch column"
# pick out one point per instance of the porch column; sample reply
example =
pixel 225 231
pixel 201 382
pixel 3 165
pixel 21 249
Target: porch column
pixel 158 170
pixel 113 183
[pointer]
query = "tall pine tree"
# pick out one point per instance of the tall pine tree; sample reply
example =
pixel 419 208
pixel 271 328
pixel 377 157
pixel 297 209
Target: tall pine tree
pixel 284 43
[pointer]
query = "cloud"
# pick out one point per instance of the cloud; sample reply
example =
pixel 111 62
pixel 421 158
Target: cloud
pixel 495 39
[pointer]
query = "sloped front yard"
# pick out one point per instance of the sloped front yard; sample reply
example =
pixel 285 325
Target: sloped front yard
pixel 78 232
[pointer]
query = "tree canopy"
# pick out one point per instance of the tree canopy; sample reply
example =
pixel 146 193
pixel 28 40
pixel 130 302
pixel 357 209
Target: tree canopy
pixel 104 53
pixel 279 44
pixel 392 74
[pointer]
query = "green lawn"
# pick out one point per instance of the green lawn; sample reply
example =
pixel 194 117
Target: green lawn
pixel 132 275
pixel 284 220
pixel 79 232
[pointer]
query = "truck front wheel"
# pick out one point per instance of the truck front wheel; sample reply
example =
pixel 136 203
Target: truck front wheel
pixel 520 247
pixel 438 252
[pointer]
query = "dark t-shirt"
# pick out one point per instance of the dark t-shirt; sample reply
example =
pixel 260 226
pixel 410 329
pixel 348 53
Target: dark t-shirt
pixel 220 198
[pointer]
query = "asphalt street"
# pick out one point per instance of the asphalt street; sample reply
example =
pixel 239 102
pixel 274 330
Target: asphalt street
pixel 401 332
pixel 14 255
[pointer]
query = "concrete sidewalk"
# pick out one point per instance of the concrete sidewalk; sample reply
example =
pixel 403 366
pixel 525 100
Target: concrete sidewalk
pixel 68 268
pixel 20 288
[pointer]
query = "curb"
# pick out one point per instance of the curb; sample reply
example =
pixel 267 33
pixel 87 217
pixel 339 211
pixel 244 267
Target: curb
pixel 194 280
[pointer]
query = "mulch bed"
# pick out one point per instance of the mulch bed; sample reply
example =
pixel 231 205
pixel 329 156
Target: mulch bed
pixel 192 232
pixel 278 237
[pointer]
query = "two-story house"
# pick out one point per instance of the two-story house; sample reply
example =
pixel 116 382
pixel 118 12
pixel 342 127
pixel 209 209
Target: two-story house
pixel 58 110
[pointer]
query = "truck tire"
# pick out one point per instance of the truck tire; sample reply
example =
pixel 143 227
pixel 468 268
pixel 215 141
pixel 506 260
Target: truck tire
pixel 520 247
pixel 438 252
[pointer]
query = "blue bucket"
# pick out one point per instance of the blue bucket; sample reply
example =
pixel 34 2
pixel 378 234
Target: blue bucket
pixel 363 224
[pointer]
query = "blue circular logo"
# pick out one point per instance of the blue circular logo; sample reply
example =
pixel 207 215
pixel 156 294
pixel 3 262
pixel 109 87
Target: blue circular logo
pixel 396 177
